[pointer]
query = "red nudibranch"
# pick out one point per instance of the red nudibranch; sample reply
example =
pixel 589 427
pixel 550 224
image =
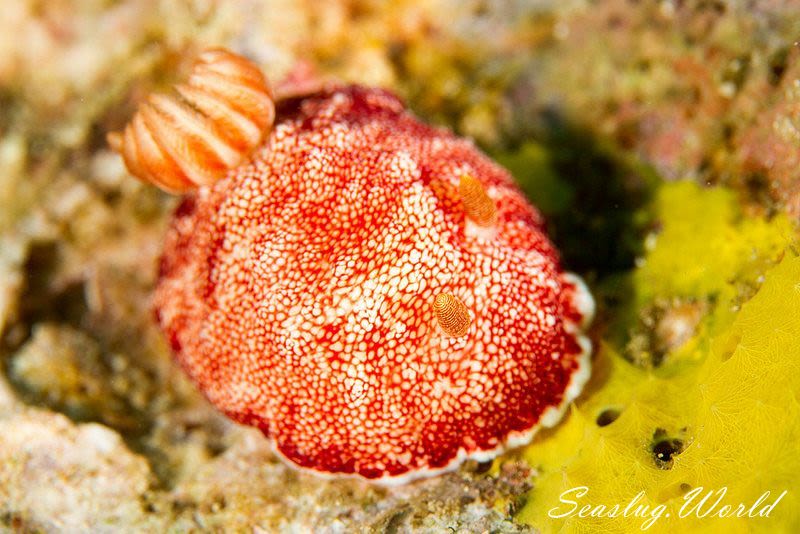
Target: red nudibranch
pixel 373 293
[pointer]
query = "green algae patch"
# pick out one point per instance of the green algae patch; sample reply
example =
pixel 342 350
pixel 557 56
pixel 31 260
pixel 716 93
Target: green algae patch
pixel 591 194
pixel 718 422
pixel 532 166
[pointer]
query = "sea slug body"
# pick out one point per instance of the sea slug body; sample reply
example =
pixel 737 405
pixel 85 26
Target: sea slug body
pixel 373 293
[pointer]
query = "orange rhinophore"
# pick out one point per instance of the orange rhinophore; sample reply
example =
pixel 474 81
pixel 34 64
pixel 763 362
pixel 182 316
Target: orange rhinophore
pixel 477 204
pixel 452 315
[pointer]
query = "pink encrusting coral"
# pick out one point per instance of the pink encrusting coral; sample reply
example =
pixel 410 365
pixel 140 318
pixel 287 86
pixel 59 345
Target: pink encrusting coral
pixel 374 294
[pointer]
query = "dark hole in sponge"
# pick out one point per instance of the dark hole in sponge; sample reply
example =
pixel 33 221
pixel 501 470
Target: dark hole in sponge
pixel 665 448
pixel 607 416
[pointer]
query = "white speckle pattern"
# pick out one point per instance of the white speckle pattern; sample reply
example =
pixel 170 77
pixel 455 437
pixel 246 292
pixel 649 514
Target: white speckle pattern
pixel 297 292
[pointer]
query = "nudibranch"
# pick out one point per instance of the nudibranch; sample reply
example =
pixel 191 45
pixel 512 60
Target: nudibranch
pixel 373 293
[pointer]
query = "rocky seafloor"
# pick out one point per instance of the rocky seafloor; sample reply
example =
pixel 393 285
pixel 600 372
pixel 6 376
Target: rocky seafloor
pixel 660 139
